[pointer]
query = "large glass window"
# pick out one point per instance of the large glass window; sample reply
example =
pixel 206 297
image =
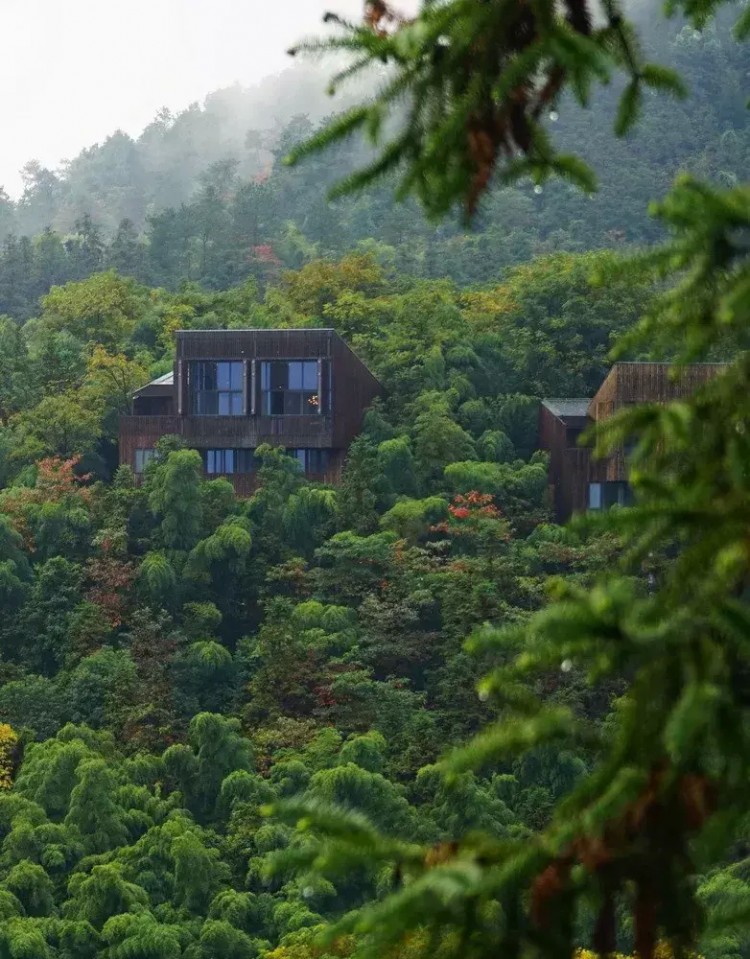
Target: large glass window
pixel 289 387
pixel 227 462
pixel 219 461
pixel 216 388
pixel 595 495
pixel 605 495
pixel 142 458
pixel 314 461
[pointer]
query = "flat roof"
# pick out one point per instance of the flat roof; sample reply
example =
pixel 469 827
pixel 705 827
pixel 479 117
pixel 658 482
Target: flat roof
pixel 264 329
pixel 676 363
pixel 564 407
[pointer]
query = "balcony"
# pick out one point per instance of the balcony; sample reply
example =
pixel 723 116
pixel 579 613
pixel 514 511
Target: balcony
pixel 247 432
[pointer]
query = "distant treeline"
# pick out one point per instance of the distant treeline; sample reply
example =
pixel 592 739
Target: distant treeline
pixel 204 197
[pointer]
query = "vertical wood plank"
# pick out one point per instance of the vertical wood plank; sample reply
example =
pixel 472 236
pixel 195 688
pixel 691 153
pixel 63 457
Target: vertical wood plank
pixel 180 388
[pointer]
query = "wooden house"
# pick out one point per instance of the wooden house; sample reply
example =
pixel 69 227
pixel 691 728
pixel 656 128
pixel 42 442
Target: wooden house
pixel 232 390
pixel 577 480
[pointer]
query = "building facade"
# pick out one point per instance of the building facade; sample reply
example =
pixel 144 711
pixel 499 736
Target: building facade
pixel 231 391
pixel 579 482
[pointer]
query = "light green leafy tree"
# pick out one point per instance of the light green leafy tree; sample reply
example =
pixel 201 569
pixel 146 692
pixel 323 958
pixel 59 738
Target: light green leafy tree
pixel 174 496
pixel 215 749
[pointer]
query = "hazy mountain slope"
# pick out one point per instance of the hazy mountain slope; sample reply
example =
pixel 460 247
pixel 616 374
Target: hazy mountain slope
pixel 204 196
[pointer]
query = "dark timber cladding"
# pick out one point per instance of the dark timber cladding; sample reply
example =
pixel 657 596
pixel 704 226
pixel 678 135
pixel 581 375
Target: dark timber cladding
pixel 577 480
pixel 338 386
pixel 561 423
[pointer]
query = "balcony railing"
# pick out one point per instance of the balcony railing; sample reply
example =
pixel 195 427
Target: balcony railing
pixel 234 431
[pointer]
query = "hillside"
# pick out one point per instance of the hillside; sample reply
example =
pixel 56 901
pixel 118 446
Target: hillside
pixel 204 197
pixel 224 721
pixel 126 178
pixel 168 638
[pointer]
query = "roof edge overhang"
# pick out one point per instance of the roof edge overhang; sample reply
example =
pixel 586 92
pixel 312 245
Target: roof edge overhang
pixel 573 411
pixel 161 386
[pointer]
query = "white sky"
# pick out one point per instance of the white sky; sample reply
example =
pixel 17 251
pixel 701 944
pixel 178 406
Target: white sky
pixel 74 71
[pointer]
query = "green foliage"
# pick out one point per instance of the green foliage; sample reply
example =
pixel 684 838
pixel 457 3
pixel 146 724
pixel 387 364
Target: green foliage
pixel 103 309
pixel 57 426
pixel 412 519
pixel 670 765
pixel 520 490
pixel 224 653
pixel 158 577
pixel 439 440
pixel 174 498
pixel 32 887
pixel 92 814
pixel 226 548
pixel 304 648
pixel 214 749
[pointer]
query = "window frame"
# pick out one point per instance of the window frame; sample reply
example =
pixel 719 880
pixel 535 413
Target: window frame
pixel 146 455
pixel 608 493
pixel 235 394
pixel 303 456
pixel 240 456
pixel 595 496
pixel 219 456
pixel 306 395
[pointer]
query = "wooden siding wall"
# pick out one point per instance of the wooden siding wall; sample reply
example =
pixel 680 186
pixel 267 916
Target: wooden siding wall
pixel 245 484
pixel 353 390
pixel 348 388
pixel 237 432
pixel 611 469
pixel 649 383
pixel 571 469
pixel 568 465
pixel 575 486
pixel 143 432
pixel 153 405
pixel 607 401
pixel 630 383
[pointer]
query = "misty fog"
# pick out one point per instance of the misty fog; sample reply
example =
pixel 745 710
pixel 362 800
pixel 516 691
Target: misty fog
pixel 74 73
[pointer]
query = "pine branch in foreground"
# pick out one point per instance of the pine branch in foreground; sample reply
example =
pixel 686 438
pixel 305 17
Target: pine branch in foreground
pixel 670 784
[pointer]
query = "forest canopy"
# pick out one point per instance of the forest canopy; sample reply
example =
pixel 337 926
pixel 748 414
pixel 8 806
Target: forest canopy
pixel 173 658
pixel 237 726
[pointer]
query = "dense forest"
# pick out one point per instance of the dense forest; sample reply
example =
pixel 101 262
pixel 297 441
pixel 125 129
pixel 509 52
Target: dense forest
pixel 172 657
pixel 173 660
